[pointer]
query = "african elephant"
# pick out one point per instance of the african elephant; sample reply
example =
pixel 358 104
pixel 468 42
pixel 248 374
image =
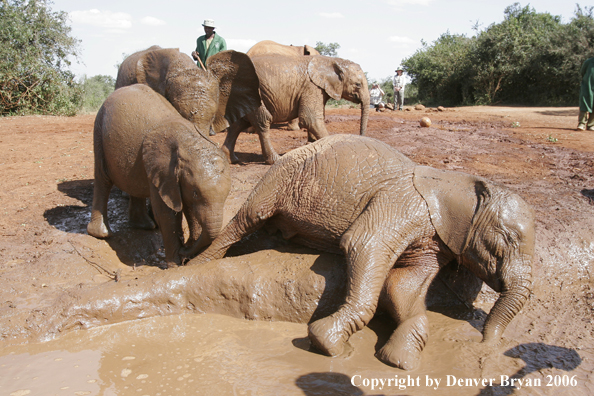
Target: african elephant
pixel 230 86
pixel 293 87
pixel 147 149
pixel 397 223
pixel 269 47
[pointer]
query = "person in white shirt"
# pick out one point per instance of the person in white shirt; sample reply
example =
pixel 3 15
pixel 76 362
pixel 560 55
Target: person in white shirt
pixel 399 83
pixel 376 94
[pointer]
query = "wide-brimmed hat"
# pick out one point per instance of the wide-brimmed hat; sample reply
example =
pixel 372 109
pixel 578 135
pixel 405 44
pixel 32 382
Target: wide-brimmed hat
pixel 209 23
pixel 399 69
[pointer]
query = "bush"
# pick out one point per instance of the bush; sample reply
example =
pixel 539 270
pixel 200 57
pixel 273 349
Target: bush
pixel 529 58
pixel 34 58
pixel 94 91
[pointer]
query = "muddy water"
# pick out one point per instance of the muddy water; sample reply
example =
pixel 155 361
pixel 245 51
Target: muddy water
pixel 217 355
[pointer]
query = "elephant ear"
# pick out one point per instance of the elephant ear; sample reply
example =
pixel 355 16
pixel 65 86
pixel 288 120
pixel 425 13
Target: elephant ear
pixel 327 73
pixel 452 198
pixel 152 68
pixel 239 86
pixel 160 155
pixel 309 50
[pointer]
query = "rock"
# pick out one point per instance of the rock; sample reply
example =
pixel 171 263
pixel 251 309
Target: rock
pixel 419 107
pixel 440 108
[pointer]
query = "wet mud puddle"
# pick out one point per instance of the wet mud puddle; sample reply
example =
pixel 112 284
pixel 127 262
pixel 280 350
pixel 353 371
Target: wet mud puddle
pixel 218 355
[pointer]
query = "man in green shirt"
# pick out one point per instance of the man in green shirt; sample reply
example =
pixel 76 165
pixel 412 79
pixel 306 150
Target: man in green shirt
pixel 208 45
pixel 587 96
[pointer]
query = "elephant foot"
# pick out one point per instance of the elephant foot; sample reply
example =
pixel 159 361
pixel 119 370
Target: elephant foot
pixel 325 335
pixel 294 125
pixel 99 229
pixel 272 159
pixel 403 349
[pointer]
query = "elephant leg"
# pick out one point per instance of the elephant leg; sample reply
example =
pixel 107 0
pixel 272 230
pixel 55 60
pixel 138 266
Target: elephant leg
pixel 139 217
pixel 403 296
pixel 314 122
pixel 261 120
pixel 231 139
pixel 170 223
pixel 99 224
pixel 372 244
pixel 294 124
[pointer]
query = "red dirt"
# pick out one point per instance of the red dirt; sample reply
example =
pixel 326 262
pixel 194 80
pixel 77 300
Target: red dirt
pixel 47 180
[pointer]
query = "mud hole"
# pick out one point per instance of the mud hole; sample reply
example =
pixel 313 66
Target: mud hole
pixel 53 275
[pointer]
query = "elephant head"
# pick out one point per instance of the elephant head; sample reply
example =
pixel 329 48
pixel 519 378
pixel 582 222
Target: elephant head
pixel 209 99
pixel 490 230
pixel 341 79
pixel 189 175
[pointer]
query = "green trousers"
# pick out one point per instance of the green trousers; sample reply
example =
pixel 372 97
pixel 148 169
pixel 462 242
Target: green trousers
pixel 586 119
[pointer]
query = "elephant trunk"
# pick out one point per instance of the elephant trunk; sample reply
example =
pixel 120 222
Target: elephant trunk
pixel 513 295
pixel 210 227
pixel 364 112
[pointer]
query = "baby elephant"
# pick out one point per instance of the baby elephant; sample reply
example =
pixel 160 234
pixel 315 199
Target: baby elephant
pixel 147 149
pixel 397 223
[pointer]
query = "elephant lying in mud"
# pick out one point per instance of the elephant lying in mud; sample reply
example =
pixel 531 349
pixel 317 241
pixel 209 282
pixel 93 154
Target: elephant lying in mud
pixel 147 149
pixel 230 85
pixel 397 223
pixel 299 86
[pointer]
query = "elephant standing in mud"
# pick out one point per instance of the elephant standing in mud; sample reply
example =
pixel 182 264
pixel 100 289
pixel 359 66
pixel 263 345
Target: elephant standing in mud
pixel 147 149
pixel 397 223
pixel 293 87
pixel 269 47
pixel 230 85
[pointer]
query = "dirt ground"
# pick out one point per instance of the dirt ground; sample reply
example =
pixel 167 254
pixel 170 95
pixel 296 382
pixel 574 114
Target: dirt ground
pixel 46 168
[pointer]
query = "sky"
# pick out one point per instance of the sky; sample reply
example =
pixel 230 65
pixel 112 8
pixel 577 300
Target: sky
pixel 377 35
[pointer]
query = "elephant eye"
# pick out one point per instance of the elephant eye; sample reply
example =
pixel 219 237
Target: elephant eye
pixel 358 85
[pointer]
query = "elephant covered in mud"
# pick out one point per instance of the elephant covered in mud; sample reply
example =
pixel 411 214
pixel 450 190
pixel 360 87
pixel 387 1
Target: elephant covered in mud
pixel 397 223
pixel 268 47
pixel 293 87
pixel 230 85
pixel 147 149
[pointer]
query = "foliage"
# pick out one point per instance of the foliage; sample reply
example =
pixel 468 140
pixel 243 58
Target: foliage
pixel 528 58
pixel 94 91
pixel 35 47
pixel 329 49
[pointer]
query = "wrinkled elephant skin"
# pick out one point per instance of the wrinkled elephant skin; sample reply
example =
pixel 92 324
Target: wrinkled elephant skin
pixel 211 99
pixel 144 147
pixel 299 87
pixel 397 223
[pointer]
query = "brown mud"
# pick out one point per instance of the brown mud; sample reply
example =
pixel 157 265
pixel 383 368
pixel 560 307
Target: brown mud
pixel 54 278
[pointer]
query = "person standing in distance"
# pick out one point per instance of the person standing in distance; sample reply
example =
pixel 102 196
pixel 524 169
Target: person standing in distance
pixel 208 45
pixel 399 83
pixel 585 118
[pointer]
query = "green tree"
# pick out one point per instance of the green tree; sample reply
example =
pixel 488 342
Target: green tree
pixel 439 72
pixel 529 58
pixel 35 51
pixel 94 91
pixel 329 49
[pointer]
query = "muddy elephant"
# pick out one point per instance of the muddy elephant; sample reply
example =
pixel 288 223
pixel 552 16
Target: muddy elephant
pixel 268 47
pixel 293 87
pixel 147 149
pixel 230 85
pixel 397 223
